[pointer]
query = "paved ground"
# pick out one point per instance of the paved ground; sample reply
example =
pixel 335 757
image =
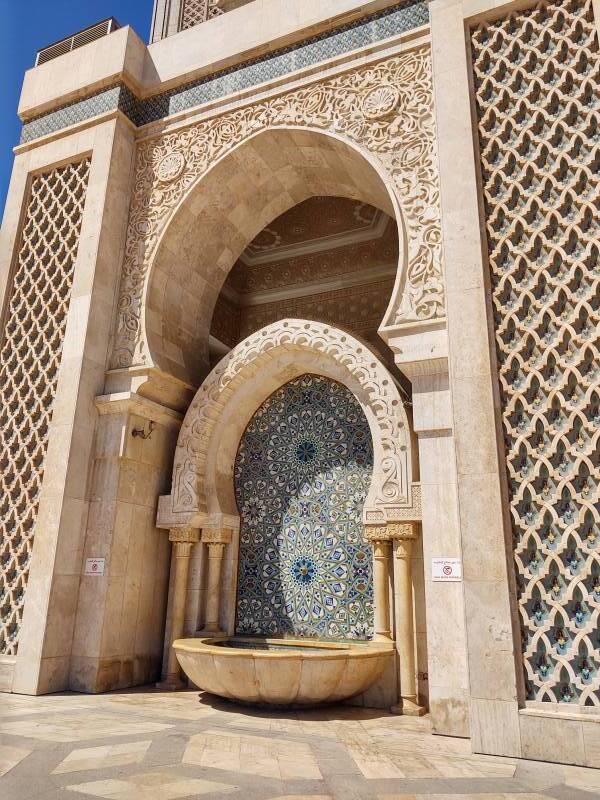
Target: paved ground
pixel 148 745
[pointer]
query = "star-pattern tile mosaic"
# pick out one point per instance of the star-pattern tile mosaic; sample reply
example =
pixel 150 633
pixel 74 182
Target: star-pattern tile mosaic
pixel 302 474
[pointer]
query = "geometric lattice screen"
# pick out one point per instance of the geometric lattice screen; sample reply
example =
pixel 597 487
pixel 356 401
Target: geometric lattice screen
pixel 537 75
pixel 196 11
pixel 34 330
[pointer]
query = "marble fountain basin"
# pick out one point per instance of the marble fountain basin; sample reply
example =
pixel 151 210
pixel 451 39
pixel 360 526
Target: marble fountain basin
pixel 282 672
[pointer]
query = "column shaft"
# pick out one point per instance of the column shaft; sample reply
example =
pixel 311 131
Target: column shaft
pixel 182 540
pixel 213 600
pixel 405 631
pixel 381 572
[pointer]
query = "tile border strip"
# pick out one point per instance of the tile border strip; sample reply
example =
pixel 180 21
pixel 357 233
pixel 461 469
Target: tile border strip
pixel 392 21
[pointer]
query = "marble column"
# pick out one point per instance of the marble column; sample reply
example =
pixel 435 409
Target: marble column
pixel 381 581
pixel 215 540
pixel 404 536
pixel 182 541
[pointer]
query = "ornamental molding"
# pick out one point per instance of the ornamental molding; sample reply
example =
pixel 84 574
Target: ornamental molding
pixel 391 494
pixel 384 109
pixel 187 535
pixel 391 532
pixel 217 536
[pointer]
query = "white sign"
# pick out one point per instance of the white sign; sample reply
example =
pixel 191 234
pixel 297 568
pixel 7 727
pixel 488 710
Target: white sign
pixel 94 566
pixel 446 569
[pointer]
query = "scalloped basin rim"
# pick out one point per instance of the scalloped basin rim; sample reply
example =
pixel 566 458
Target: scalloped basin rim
pixel 311 673
pixel 320 648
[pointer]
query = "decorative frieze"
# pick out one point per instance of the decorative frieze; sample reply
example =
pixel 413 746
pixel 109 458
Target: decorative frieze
pixel 537 74
pixel 391 532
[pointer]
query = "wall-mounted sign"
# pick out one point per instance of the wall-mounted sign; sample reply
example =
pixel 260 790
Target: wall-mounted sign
pixel 94 566
pixel 446 569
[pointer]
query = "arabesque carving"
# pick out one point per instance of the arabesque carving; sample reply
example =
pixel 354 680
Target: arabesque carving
pixel 391 487
pixel 384 108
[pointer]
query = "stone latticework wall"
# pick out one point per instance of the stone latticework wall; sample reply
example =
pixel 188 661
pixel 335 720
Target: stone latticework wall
pixel 196 11
pixel 34 330
pixel 536 80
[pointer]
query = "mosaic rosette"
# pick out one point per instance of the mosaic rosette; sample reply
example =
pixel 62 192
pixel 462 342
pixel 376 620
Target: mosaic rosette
pixel 302 474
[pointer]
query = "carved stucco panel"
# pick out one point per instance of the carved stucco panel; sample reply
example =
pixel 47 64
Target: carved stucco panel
pixel 386 109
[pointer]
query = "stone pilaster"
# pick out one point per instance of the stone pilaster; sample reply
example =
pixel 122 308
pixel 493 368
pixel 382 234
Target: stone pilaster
pixel 402 535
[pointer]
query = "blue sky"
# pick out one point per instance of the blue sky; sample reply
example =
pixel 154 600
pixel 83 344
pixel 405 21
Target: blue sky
pixel 27 26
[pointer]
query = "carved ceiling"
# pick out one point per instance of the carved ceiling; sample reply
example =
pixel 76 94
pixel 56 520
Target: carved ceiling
pixel 321 238
pixel 328 258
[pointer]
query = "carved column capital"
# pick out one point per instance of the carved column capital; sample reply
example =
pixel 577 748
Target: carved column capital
pixel 216 535
pixel 391 531
pixel 187 535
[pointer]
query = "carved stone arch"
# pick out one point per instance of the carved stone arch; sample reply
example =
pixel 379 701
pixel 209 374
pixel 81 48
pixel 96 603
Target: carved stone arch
pixel 377 118
pixel 223 209
pixel 202 490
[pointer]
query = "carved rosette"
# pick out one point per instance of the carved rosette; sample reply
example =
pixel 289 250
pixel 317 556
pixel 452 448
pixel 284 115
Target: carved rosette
pixel 385 108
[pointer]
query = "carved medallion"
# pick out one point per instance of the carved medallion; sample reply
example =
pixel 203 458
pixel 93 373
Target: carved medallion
pixel 380 102
pixel 170 167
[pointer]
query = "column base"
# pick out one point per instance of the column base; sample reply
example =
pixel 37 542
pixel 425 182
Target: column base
pixel 408 707
pixel 171 684
pixel 207 633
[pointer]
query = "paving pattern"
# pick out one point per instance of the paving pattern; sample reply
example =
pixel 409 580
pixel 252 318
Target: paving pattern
pixel 151 745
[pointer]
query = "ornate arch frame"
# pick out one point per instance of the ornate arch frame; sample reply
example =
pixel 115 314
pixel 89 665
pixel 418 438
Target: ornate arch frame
pixel 202 489
pixel 383 110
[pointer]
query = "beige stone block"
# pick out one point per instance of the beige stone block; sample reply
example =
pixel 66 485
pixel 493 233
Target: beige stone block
pixel 449 710
pixel 90 616
pixel 447 30
pixel 113 617
pixel 471 351
pixel 591 743
pixel 41 677
pixel 495 728
pixel 83 673
pixel 441 533
pixel 432 406
pixel 482 529
pixel 547 739
pixel 94 65
pixel 491 624
pixel 121 535
pixel 475 431
pixel 7 668
pixel 493 673
pixel 61 616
